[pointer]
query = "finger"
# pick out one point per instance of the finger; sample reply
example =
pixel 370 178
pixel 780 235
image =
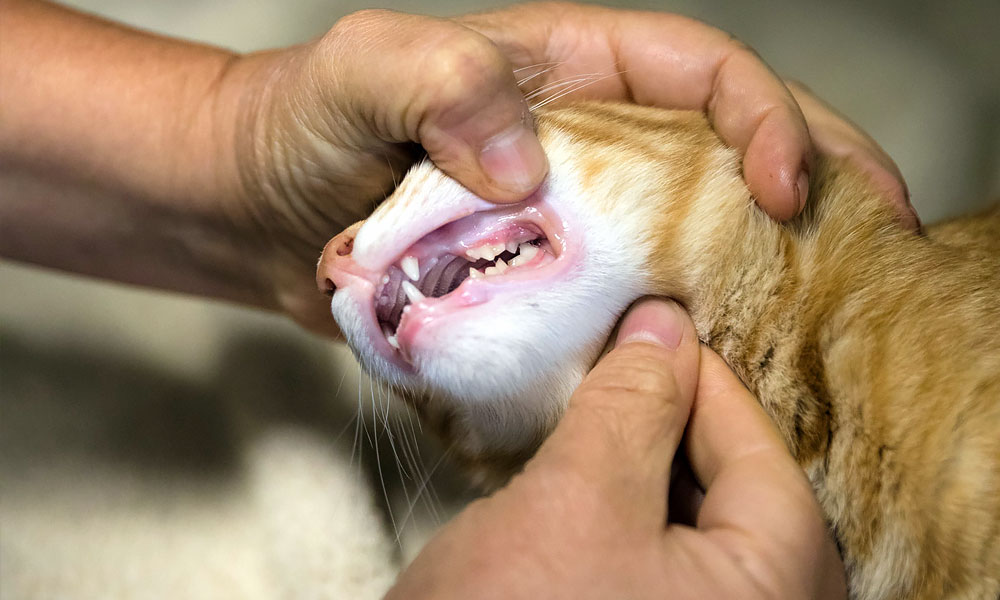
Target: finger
pixel 835 135
pixel 700 67
pixel 673 62
pixel 757 497
pixel 435 82
pixel 624 422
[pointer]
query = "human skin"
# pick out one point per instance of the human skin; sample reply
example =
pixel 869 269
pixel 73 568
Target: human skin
pixel 589 516
pixel 163 163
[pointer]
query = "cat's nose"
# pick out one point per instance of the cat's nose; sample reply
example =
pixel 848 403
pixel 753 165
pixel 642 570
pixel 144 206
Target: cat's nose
pixel 334 258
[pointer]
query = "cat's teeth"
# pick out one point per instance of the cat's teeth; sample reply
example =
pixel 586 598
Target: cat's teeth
pixel 490 251
pixel 487 252
pixel 385 279
pixel 473 274
pixel 525 253
pixel 411 267
pixel 489 271
pixel 501 266
pixel 412 292
pixel 389 337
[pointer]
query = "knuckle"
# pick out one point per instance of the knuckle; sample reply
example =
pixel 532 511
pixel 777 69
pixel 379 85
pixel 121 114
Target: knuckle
pixel 361 20
pixel 461 62
pixel 358 30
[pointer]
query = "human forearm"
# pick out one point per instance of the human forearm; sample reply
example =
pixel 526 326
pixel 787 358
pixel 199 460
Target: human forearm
pixel 117 156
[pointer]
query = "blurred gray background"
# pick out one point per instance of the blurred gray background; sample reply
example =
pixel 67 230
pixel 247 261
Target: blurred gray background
pixel 113 395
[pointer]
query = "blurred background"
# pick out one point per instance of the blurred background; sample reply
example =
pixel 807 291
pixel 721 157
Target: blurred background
pixel 155 445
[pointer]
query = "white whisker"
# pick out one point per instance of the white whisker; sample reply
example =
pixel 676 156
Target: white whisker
pixel 378 464
pixel 562 83
pixel 572 90
pixel 548 69
pixel 423 487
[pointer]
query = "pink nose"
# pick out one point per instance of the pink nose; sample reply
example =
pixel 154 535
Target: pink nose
pixel 335 258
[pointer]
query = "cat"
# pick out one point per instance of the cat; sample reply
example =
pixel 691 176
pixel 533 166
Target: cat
pixel 876 351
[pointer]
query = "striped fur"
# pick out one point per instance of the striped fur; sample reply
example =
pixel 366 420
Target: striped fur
pixel 875 351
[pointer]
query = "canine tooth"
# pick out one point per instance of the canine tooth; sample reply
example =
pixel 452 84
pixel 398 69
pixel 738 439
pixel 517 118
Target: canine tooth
pixel 511 247
pixel 491 271
pixel 393 341
pixel 501 266
pixel 473 274
pixel 412 292
pixel 411 267
pixel 527 251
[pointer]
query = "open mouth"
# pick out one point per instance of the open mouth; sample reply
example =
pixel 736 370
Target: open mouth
pixel 464 263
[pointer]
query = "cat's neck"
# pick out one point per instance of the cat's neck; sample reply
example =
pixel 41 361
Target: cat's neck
pixel 767 296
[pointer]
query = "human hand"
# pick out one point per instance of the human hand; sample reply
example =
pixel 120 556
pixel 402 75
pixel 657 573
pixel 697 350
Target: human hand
pixel 589 515
pixel 224 175
pixel 325 125
pixel 835 135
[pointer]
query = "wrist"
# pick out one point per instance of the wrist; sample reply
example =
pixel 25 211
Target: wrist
pixel 113 152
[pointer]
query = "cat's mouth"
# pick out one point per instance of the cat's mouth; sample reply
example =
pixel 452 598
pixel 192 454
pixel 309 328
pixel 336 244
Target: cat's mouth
pixel 465 263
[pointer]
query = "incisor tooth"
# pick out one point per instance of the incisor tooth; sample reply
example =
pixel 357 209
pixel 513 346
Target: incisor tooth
pixel 412 292
pixel 474 274
pixel 487 252
pixel 411 267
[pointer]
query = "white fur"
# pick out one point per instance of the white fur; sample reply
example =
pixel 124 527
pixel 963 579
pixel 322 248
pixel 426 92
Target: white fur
pixel 506 368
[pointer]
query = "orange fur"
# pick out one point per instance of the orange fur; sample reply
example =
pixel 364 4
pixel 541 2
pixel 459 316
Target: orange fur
pixel 875 351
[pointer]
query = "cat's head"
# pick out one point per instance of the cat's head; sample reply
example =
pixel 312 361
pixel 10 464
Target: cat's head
pixel 488 316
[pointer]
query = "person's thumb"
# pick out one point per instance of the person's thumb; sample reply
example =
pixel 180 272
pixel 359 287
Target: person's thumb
pixel 445 86
pixel 625 421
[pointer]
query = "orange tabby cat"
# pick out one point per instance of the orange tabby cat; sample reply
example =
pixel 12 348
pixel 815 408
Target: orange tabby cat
pixel 875 351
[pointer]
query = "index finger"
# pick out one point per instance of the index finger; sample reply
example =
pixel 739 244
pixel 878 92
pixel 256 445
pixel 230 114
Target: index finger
pixel 672 62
